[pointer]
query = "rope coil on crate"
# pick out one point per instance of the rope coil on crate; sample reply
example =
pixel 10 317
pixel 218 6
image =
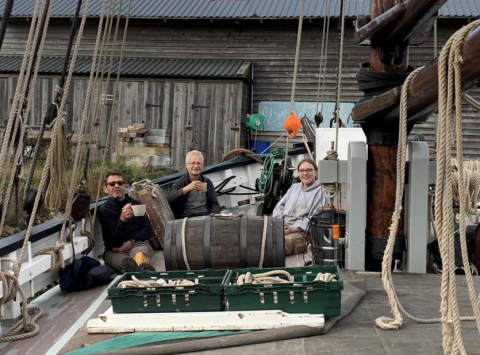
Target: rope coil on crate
pixel 269 278
pixel 146 185
pixel 135 282
pixel 266 277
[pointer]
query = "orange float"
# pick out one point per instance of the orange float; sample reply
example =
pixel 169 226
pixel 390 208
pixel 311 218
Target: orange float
pixel 292 125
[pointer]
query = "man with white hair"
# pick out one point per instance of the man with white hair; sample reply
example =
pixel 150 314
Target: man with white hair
pixel 193 194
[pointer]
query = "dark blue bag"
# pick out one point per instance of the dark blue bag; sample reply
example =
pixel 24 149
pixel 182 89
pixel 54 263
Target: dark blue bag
pixel 84 274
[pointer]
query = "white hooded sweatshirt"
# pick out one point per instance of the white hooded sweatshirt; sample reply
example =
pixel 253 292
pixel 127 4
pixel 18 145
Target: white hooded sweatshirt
pixel 299 204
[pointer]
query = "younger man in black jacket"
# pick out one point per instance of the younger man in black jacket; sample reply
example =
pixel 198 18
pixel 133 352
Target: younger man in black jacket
pixel 125 236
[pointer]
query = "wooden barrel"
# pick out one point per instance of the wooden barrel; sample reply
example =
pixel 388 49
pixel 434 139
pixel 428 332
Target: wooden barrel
pixel 219 243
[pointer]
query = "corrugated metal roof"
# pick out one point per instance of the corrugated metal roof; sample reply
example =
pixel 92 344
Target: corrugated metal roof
pixel 229 9
pixel 137 67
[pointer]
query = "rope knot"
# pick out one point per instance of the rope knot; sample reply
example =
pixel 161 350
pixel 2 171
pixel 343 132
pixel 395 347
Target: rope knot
pixel 56 253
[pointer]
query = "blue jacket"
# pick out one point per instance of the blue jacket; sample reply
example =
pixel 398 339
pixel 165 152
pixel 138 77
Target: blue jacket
pixel 177 199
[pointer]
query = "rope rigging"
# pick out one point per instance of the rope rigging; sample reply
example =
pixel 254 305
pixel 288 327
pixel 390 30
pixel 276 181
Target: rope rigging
pixel 26 326
pixel 56 251
pixel 449 70
pixel 332 189
pixel 323 62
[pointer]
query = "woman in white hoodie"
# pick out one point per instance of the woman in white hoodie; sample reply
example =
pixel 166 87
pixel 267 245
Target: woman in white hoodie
pixel 301 202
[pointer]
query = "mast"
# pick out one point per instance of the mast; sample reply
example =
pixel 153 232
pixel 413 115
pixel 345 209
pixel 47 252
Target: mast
pixel 390 32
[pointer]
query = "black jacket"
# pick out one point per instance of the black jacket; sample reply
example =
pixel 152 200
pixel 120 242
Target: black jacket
pixel 177 199
pixel 116 232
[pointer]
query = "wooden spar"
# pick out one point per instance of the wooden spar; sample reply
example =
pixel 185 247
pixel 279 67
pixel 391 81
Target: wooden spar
pixel 423 89
pixel 399 22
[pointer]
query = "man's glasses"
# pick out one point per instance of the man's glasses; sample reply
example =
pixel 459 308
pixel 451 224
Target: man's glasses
pixel 195 163
pixel 113 183
pixel 305 171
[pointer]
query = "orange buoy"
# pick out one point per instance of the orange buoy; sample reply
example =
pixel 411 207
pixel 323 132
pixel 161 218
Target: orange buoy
pixel 292 125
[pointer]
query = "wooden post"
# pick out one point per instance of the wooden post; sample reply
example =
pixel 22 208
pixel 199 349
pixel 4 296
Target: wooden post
pixel 382 151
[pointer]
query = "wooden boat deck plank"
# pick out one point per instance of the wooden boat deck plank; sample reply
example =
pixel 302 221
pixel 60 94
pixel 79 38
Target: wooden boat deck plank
pixel 61 311
pixel 82 337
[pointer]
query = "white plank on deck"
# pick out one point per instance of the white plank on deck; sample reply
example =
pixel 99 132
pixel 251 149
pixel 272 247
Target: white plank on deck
pixel 109 322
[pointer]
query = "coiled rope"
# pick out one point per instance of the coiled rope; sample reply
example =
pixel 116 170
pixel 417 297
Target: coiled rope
pixel 135 282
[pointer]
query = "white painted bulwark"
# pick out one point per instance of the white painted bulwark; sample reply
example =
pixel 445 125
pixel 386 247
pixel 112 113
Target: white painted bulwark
pixel 42 263
pixel 109 322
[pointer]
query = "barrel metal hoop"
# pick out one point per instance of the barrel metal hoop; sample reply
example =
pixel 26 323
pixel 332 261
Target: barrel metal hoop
pixel 179 254
pixel 207 260
pixel 243 242
pixel 269 241
pixel 280 243
pixel 168 245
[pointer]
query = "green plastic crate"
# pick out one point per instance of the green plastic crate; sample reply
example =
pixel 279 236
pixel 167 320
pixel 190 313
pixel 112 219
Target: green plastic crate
pixel 205 295
pixel 302 296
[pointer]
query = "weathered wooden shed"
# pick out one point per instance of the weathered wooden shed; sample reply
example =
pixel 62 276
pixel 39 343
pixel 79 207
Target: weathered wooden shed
pixel 199 102
pixel 263 32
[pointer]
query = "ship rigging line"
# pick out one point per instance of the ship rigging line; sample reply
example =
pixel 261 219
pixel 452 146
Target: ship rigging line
pixel 332 189
pixel 323 54
pixel 450 61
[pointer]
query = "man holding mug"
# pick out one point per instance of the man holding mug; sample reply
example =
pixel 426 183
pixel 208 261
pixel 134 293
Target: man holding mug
pixel 193 194
pixel 125 235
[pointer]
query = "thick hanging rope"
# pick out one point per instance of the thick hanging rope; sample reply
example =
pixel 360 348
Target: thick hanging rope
pixel 19 101
pixel 51 169
pixel 54 194
pixel 471 172
pixel 396 322
pixel 26 326
pixel 450 316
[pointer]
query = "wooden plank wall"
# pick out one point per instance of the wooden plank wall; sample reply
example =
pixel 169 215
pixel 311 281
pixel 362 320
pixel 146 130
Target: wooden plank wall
pixel 270 45
pixel 205 129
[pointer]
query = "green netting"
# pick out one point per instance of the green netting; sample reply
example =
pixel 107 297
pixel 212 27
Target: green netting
pixel 141 338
